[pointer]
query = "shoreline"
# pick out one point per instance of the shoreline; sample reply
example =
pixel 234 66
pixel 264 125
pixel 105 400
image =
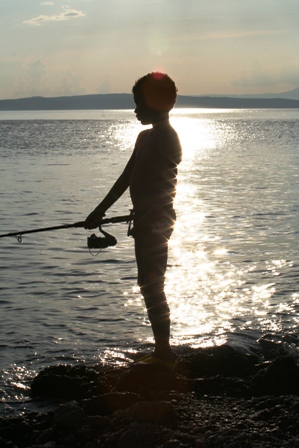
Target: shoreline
pixel 125 101
pixel 216 398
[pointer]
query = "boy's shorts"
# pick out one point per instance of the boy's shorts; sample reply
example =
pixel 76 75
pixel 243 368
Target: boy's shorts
pixel 159 222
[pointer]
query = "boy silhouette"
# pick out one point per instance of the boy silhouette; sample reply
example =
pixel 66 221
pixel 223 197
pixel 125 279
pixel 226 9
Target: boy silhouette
pixel 151 176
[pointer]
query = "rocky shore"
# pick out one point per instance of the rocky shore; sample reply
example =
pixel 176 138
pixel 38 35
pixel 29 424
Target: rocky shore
pixel 216 398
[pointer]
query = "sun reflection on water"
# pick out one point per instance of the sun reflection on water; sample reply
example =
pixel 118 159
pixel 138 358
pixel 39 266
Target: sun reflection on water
pixel 17 381
pixel 206 286
pixel 212 288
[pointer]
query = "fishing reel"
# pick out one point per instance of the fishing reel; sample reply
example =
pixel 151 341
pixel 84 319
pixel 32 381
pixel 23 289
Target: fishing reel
pixel 101 242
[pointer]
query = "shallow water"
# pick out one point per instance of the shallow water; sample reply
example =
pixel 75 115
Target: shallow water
pixel 233 265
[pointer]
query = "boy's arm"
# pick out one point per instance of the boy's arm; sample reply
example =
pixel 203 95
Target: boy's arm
pixel 120 186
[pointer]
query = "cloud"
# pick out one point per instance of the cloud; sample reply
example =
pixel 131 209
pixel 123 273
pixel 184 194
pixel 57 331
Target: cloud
pixel 31 79
pixel 64 15
pixel 221 35
pixel 239 34
pixel 71 83
pixel 256 75
pixel 104 86
pixel 290 73
pixel 47 3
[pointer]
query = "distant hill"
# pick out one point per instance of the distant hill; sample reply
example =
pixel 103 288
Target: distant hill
pixel 236 103
pixel 125 101
pixel 79 102
pixel 290 95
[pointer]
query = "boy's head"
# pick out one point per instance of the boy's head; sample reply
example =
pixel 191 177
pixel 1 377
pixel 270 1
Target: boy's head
pixel 156 91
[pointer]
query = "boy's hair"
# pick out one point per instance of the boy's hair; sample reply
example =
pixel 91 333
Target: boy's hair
pixel 158 90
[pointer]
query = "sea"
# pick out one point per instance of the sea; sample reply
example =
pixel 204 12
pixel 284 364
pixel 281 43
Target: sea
pixel 233 267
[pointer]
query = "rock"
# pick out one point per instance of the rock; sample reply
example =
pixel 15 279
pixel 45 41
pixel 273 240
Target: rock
pixel 280 377
pixel 70 440
pixel 234 387
pixel 222 360
pixel 158 412
pixel 216 398
pixel 151 382
pixel 138 436
pixel 91 445
pixel 97 422
pixel 69 382
pixel 45 437
pixel 46 445
pixel 108 403
pixel 14 428
pixel 83 434
pixel 69 416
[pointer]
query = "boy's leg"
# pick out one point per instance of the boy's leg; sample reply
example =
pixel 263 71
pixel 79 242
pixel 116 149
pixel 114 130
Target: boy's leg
pixel 151 255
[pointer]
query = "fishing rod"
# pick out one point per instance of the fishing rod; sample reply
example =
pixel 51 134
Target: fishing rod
pixel 93 241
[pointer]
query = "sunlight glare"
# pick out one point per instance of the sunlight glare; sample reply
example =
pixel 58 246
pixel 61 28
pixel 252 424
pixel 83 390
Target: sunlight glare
pixel 196 135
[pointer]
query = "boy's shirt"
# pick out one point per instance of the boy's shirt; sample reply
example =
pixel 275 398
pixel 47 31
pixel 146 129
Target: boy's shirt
pixel 153 180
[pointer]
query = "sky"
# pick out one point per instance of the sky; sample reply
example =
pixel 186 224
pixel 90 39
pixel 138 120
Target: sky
pixel 75 47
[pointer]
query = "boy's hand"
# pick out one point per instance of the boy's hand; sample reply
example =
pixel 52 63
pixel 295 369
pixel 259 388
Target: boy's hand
pixel 93 219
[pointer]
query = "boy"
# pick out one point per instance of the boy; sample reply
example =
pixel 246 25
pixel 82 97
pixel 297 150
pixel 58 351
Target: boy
pixel 151 174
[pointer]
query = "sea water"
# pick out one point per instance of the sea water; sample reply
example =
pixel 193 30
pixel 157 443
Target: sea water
pixel 233 271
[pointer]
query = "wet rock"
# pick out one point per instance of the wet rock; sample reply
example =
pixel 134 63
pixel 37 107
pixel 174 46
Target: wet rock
pixel 150 383
pixel 172 443
pixel 233 387
pixel 222 360
pixel 159 412
pixel 45 436
pixel 69 416
pixel 46 445
pixel 17 429
pixel 97 422
pixel 84 434
pixel 216 398
pixel 280 377
pixel 60 382
pixel 108 403
pixel 70 440
pixel 228 438
pixel 293 443
pixel 139 436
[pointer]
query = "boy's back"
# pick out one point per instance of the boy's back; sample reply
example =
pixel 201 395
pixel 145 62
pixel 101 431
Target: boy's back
pixel 153 179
